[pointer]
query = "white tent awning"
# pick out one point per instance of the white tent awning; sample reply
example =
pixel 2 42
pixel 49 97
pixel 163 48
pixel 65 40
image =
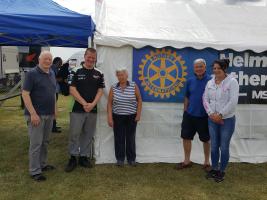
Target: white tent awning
pixel 179 24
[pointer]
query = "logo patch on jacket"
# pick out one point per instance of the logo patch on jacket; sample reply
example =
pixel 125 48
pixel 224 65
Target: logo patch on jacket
pixel 96 77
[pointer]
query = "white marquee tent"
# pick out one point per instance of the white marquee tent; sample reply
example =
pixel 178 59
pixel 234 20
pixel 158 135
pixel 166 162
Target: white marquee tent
pixel 126 25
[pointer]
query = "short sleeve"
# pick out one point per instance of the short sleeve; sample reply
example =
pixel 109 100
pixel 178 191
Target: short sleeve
pixel 28 82
pixel 73 79
pixel 187 86
pixel 101 81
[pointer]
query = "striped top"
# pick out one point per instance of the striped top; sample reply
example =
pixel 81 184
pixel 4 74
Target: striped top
pixel 124 101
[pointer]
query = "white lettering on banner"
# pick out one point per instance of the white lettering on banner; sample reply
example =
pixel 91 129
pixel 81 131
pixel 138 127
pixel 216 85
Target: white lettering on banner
pixel 259 94
pixel 249 69
pixel 246 60
pixel 238 61
pixel 253 80
pixel 243 94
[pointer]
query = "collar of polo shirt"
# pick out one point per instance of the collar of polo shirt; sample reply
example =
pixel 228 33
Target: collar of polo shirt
pixel 204 76
pixel 43 72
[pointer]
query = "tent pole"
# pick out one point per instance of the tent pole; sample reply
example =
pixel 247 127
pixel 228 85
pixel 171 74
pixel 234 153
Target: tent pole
pixel 1 64
pixel 91 42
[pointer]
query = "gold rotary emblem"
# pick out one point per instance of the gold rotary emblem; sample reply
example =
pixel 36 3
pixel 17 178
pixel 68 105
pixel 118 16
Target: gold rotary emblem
pixel 162 73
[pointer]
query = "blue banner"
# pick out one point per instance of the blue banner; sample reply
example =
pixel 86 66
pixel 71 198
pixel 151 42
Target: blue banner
pixel 161 74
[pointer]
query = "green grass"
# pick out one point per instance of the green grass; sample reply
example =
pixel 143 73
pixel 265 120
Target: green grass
pixel 145 182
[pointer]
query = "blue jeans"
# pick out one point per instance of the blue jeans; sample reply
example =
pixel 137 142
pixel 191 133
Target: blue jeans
pixel 220 136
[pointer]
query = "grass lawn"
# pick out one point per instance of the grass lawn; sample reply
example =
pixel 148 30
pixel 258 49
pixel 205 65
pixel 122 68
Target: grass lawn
pixel 146 181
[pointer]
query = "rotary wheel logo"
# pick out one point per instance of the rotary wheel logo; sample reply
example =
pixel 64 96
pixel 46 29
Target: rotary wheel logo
pixel 162 73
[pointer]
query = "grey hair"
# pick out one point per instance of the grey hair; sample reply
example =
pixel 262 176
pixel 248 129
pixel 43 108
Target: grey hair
pixel 44 53
pixel 200 60
pixel 121 70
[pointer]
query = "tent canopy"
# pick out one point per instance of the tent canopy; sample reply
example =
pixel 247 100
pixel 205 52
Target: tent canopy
pixel 181 24
pixel 42 23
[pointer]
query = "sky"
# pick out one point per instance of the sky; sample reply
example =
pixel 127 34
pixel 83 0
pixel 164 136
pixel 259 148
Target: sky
pixel 88 7
pixel 81 6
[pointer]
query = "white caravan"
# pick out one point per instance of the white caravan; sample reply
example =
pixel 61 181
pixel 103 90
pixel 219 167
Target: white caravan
pixel 9 64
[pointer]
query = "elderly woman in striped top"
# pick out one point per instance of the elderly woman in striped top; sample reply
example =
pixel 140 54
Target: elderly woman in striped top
pixel 124 111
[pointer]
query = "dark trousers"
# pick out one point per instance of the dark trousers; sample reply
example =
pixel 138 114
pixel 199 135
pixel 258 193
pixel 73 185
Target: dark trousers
pixel 54 121
pixel 124 128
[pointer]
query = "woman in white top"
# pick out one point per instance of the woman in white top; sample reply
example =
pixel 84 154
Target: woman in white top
pixel 220 100
pixel 124 111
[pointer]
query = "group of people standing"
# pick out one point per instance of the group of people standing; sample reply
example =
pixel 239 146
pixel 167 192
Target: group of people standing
pixel 209 109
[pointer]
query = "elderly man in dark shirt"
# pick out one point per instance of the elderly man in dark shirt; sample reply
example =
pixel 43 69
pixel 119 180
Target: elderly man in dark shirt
pixel 38 93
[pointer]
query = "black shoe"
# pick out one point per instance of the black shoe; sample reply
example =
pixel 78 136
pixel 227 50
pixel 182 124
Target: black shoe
pixel 211 174
pixel 219 177
pixel 38 177
pixel 120 163
pixel 84 162
pixel 71 165
pixel 48 168
pixel 56 130
pixel 132 163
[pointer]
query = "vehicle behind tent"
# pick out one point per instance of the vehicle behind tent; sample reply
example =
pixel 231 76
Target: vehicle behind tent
pixel 9 66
